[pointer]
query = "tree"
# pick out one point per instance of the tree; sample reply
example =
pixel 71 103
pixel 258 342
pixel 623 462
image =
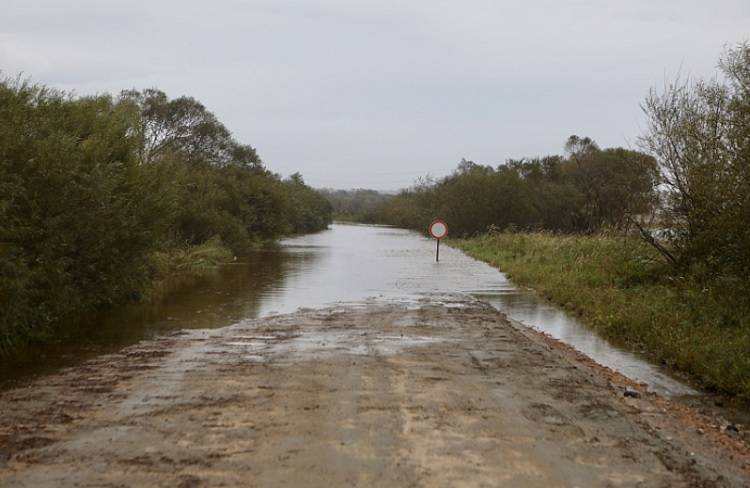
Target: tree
pixel 184 125
pixel 78 216
pixel 699 132
pixel 92 189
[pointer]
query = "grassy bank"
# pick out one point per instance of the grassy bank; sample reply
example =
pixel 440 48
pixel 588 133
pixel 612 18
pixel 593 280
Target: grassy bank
pixel 185 262
pixel 193 258
pixel 621 288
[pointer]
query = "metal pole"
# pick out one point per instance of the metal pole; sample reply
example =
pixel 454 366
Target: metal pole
pixel 437 251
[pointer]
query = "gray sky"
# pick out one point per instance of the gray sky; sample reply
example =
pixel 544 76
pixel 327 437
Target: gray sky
pixel 374 93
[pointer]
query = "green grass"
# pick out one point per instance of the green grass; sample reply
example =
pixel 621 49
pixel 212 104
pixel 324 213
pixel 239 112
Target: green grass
pixel 621 288
pixel 198 258
pixel 178 267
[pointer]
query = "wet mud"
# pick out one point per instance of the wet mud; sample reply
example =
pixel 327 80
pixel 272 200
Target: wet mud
pixel 442 391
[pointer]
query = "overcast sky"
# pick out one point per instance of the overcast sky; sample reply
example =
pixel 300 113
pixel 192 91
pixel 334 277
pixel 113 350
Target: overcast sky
pixel 373 93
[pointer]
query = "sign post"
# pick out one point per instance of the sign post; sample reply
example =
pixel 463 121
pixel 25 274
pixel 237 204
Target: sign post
pixel 438 230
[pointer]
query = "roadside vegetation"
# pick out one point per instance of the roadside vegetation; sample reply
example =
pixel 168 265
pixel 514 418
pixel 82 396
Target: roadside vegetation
pixel 102 195
pixel 650 247
pixel 583 191
pixel 623 289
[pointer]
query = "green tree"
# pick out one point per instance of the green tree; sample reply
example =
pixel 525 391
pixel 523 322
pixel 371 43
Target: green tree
pixel 92 189
pixel 78 218
pixel 183 125
pixel 615 183
pixel 699 133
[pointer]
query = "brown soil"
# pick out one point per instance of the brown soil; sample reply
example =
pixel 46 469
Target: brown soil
pixel 440 393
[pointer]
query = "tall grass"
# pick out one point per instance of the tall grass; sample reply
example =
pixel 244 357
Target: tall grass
pixel 620 287
pixel 195 258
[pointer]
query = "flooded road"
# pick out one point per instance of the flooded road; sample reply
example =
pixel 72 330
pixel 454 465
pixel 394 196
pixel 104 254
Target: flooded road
pixel 347 263
pixel 351 358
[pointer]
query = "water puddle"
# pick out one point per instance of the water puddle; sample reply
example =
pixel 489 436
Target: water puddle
pixel 320 343
pixel 529 309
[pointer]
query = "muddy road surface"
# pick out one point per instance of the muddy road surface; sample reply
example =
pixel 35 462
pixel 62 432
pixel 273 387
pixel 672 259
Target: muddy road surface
pixel 443 391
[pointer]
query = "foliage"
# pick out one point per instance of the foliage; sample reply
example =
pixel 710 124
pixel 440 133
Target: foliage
pixel 700 135
pixel 614 184
pixel 621 287
pixel 184 126
pixel 93 189
pixel 586 191
pixel 79 218
pixel 193 259
pixel 308 210
pixel 358 205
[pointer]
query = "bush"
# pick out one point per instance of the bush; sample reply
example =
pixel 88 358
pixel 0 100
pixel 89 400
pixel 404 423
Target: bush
pixel 94 191
pixel 79 219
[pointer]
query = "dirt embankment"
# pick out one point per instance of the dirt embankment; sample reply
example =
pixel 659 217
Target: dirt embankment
pixel 439 393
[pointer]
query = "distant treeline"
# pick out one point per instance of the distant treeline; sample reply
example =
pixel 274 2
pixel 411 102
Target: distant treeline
pixel 584 191
pixel 93 188
pixel 358 205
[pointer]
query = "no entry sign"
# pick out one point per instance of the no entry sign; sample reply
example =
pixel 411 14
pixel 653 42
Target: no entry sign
pixel 438 230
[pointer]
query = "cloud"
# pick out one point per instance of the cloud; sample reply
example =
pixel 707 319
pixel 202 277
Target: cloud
pixel 375 93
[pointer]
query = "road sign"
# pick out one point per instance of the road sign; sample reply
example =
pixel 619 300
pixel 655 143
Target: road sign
pixel 438 230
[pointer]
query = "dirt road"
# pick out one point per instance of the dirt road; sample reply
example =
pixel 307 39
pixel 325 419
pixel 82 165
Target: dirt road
pixel 439 393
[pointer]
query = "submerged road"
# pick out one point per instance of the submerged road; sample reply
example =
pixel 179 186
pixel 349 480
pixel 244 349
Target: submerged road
pixel 441 391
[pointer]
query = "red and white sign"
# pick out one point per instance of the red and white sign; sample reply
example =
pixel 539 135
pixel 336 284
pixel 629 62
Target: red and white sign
pixel 439 229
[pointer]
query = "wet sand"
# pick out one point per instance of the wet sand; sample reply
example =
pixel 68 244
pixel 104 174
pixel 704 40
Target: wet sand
pixel 440 392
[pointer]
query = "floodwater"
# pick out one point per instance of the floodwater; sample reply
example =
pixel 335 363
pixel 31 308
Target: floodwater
pixel 347 263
